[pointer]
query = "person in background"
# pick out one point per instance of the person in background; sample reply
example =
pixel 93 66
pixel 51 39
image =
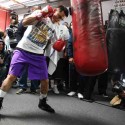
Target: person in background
pixel 90 82
pixel 2 34
pixel 3 61
pixel 11 31
pixel 76 80
pixel 30 51
pixel 10 39
pixel 103 84
pixel 57 62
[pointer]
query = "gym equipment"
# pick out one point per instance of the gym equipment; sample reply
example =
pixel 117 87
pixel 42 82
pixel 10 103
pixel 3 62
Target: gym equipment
pixel 90 51
pixel 115 37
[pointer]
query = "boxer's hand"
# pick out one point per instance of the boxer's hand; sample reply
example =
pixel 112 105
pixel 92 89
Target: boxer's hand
pixel 45 12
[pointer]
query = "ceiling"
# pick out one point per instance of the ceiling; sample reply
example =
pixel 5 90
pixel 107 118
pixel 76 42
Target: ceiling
pixel 21 4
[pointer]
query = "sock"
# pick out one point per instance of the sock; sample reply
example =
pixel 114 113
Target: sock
pixel 43 96
pixel 55 85
pixel 52 83
pixel 2 93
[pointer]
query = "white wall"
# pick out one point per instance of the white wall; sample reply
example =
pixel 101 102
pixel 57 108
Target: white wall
pixel 68 19
pixel 107 6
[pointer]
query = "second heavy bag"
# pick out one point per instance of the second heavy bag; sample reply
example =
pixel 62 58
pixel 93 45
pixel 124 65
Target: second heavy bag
pixel 90 52
pixel 116 41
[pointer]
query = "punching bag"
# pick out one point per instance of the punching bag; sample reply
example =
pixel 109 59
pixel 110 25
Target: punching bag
pixel 115 37
pixel 90 51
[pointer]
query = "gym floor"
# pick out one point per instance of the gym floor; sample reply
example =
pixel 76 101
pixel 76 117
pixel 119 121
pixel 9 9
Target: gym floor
pixel 23 110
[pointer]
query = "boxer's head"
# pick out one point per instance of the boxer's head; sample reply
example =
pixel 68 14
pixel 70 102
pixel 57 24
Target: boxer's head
pixel 59 13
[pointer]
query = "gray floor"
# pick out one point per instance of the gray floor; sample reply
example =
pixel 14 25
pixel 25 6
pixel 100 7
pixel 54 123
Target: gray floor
pixel 23 110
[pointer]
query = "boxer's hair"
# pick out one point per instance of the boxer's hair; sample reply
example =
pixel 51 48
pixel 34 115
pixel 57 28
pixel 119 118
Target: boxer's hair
pixel 62 8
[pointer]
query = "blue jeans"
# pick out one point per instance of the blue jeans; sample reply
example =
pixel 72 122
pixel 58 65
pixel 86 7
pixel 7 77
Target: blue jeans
pixel 23 81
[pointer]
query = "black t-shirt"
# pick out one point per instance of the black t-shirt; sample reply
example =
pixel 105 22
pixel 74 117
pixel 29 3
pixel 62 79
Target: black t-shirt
pixel 11 32
pixel 20 31
pixel 5 56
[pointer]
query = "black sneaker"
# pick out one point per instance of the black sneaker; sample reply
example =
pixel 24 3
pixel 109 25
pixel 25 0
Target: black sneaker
pixel 44 106
pixel 104 95
pixel 33 91
pixel 1 101
pixel 88 100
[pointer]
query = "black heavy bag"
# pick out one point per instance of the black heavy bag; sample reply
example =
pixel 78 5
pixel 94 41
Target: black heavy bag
pixel 116 41
pixel 90 52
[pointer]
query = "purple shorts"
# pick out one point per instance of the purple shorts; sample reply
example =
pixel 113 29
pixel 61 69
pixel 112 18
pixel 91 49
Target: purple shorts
pixel 37 67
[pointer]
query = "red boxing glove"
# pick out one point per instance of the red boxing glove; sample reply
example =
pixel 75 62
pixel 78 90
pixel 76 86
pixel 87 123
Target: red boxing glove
pixel 59 45
pixel 47 11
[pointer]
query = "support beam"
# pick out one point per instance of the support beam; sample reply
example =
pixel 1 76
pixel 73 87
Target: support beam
pixel 16 1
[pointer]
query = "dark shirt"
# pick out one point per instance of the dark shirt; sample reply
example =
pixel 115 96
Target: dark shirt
pixel 20 31
pixel 70 45
pixel 11 32
pixel 4 55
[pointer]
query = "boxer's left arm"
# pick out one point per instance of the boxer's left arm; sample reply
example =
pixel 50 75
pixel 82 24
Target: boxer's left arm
pixel 31 19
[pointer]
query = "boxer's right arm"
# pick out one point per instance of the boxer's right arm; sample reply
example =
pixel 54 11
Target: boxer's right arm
pixel 31 19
